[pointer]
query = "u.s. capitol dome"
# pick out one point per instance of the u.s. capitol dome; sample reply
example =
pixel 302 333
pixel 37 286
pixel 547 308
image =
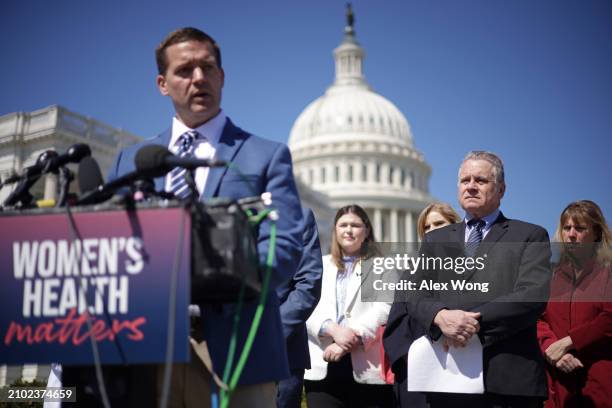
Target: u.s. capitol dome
pixel 355 146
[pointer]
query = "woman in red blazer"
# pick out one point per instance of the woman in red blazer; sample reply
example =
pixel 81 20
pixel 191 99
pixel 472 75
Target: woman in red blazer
pixel 575 330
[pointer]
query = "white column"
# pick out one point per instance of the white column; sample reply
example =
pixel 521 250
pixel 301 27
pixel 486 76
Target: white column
pixel 329 173
pixel 409 227
pixel 343 172
pixel 2 375
pixel 50 187
pixel 371 172
pixel 359 172
pixel 378 224
pixel 384 174
pixel 29 372
pixel 397 177
pixel 393 225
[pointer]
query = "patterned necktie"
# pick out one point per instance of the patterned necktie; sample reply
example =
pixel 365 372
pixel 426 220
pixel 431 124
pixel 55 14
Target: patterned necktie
pixel 178 184
pixel 475 236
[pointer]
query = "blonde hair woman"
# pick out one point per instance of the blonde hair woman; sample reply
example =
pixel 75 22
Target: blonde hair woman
pixel 434 216
pixel 574 331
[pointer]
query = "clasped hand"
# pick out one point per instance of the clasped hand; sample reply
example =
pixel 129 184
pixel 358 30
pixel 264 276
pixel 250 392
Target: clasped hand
pixel 558 349
pixel 345 339
pixel 457 326
pixel 333 353
pixel 557 355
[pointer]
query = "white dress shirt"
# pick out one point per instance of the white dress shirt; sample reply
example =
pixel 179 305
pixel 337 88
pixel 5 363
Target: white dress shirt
pixel 205 145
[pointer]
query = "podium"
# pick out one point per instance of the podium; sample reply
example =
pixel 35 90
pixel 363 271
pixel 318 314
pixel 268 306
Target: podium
pixel 114 274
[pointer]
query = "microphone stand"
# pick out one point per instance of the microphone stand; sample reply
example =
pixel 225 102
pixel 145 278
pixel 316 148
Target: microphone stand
pixel 21 194
pixel 65 177
pixel 194 197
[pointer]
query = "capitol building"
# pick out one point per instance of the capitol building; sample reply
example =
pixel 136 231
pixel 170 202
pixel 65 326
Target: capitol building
pixel 354 146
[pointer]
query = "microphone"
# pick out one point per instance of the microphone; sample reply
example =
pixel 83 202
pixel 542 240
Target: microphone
pixel 74 154
pixel 158 161
pixel 13 177
pixel 49 162
pixel 36 169
pixel 27 179
pixel 90 175
pixel 105 191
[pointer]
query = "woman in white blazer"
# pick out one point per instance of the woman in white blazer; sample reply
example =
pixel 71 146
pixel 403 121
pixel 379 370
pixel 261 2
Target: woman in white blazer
pixel 344 339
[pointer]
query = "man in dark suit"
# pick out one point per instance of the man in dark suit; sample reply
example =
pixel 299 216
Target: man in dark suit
pixel 516 258
pixel 190 73
pixel 298 298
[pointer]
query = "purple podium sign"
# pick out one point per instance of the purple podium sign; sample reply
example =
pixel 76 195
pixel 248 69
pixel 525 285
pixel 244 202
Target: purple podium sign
pixel 107 277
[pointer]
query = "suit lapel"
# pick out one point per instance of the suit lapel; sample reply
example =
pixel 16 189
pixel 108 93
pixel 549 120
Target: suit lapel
pixel 230 143
pixel 458 233
pixel 498 229
pixel 352 288
pixel 163 139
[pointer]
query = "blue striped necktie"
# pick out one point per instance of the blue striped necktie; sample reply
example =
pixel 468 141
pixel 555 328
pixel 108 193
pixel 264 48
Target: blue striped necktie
pixel 473 240
pixel 178 184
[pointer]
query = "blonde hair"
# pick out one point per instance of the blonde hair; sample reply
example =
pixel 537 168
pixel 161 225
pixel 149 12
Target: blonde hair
pixel 588 211
pixel 444 209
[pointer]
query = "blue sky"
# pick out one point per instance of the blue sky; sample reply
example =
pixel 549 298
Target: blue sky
pixel 528 79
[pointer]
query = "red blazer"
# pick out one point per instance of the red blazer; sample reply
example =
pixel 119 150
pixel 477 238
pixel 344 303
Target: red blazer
pixel 581 309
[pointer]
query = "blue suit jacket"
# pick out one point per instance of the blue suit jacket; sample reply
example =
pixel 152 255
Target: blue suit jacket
pixel 266 167
pixel 300 295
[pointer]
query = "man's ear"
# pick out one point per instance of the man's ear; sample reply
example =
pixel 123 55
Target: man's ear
pixel 161 85
pixel 222 77
pixel 502 190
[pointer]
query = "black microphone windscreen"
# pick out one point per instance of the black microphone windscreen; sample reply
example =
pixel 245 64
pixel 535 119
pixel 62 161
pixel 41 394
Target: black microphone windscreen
pixel 90 176
pixel 151 159
pixel 77 152
pixel 45 156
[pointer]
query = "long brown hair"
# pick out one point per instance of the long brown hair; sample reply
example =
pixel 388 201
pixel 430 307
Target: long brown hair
pixel 589 212
pixel 368 248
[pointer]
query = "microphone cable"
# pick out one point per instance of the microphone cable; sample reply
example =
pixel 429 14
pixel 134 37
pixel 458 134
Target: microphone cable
pixel 94 343
pixel 235 376
pixel 165 395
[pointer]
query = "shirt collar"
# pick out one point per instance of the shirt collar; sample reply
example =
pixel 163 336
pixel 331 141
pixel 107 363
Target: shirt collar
pixel 212 129
pixel 489 219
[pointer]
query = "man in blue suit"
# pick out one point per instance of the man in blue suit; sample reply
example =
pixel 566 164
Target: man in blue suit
pixel 298 298
pixel 190 73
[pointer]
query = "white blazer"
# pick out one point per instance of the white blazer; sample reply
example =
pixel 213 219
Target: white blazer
pixel 363 317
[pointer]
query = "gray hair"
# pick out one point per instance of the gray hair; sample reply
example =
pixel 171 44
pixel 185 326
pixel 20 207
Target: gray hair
pixel 496 162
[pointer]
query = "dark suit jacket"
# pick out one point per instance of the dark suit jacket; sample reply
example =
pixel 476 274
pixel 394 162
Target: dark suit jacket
pixel 300 295
pixel 517 267
pixel 266 167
